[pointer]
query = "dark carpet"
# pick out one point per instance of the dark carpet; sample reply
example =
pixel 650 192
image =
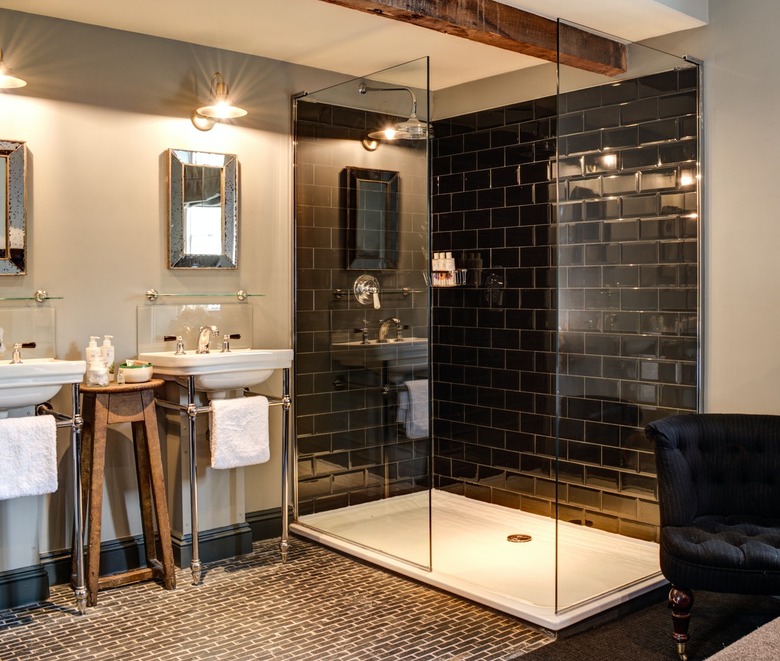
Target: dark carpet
pixel 717 620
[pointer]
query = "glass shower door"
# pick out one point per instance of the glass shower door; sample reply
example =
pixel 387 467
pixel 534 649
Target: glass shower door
pixel 362 313
pixel 628 231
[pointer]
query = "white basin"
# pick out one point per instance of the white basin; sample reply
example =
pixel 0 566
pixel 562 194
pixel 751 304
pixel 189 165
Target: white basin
pixel 36 380
pixel 238 368
pixel 410 351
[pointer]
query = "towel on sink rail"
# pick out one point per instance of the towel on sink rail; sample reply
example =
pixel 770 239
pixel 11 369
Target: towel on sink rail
pixel 413 408
pixel 239 432
pixel 28 456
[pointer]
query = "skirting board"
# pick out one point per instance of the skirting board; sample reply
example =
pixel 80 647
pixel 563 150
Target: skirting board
pixel 19 587
pixel 25 585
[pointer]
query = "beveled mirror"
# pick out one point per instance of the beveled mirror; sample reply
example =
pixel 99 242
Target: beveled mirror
pixel 372 218
pixel 13 202
pixel 203 210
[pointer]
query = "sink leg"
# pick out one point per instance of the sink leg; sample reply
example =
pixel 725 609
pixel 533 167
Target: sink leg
pixel 192 412
pixel 284 544
pixel 77 423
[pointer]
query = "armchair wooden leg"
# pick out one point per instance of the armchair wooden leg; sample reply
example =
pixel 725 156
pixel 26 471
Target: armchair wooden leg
pixel 681 602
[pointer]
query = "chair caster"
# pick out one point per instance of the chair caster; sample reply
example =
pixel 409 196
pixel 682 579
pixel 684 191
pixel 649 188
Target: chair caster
pixel 681 652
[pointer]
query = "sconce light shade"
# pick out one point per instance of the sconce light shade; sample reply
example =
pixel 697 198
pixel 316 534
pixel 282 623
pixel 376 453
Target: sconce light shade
pixel 8 81
pixel 219 106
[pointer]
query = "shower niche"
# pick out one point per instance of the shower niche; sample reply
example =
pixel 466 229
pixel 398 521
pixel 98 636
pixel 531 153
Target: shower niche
pixel 584 197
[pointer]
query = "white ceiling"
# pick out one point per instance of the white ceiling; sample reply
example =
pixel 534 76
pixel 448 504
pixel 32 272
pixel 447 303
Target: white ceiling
pixel 318 34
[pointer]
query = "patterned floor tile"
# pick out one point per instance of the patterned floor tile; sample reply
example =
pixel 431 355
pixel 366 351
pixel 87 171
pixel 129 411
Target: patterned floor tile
pixel 320 605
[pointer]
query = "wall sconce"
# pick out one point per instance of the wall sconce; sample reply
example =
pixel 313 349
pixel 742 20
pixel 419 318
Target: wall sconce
pixel 8 81
pixel 410 129
pixel 219 106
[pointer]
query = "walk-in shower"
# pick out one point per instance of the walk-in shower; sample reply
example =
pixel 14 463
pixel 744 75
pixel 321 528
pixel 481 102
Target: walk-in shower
pixel 573 202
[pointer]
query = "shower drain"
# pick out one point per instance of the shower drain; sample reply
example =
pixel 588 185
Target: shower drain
pixel 518 538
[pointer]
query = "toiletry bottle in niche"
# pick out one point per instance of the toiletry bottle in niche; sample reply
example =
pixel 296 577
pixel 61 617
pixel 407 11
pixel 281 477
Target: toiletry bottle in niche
pixel 436 270
pixel 107 353
pixel 449 267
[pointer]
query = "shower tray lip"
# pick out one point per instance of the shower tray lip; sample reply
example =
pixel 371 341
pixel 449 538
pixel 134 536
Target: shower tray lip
pixel 540 615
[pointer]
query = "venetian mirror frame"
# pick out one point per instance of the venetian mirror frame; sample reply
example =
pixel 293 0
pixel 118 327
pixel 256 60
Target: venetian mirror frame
pixel 13 201
pixel 203 210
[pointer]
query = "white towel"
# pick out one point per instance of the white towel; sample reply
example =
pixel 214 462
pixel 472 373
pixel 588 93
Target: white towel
pixel 239 432
pixel 414 408
pixel 28 456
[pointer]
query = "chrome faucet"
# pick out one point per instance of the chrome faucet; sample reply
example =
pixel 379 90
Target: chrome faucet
pixel 384 326
pixel 204 338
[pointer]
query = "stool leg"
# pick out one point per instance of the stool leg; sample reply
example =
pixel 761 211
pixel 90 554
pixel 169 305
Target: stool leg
pixel 158 488
pixel 144 491
pixel 98 464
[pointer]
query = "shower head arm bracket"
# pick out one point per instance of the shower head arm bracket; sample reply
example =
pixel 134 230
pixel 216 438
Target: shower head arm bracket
pixel 364 89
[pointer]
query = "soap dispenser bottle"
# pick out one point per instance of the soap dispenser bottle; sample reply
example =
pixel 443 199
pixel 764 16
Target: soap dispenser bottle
pixel 107 353
pixel 92 349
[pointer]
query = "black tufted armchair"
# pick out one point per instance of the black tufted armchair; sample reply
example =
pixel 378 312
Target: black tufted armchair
pixel 719 497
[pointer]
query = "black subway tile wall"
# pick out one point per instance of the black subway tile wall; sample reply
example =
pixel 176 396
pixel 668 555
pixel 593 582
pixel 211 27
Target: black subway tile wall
pixel 612 266
pixel 350 449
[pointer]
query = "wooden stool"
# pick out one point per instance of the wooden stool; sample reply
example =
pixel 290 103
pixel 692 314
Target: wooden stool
pixel 103 406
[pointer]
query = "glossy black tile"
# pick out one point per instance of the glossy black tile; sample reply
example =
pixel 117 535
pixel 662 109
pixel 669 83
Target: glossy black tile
pixel 635 112
pixel 601 118
pixel 584 142
pixel 659 131
pixel 675 105
pixel 592 303
pixel 476 141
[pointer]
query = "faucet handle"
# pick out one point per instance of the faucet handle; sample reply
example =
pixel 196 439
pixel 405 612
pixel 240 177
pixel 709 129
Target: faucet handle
pixel 226 341
pixel 17 356
pixel 363 331
pixel 179 343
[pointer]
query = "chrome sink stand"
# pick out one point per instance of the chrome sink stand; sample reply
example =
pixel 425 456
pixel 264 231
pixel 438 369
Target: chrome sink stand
pixel 192 411
pixel 75 422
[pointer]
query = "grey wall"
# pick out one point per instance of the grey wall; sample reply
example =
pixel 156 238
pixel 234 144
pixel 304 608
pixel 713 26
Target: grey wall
pixel 99 112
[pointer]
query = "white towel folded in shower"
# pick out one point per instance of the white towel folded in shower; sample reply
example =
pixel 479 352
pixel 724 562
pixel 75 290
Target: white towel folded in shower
pixel 413 408
pixel 239 432
pixel 28 456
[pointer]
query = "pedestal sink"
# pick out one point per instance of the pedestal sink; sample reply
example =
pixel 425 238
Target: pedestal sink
pixel 35 380
pixel 399 355
pixel 214 371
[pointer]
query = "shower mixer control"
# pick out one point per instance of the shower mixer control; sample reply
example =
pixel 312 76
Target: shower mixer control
pixel 366 290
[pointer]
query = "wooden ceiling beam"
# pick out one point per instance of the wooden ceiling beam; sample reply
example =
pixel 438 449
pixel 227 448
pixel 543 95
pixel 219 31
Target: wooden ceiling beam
pixel 496 24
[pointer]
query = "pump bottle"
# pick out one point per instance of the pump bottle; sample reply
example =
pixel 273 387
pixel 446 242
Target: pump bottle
pixel 92 349
pixel 107 353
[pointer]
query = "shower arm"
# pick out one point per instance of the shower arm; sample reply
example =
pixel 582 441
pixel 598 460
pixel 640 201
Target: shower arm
pixel 364 89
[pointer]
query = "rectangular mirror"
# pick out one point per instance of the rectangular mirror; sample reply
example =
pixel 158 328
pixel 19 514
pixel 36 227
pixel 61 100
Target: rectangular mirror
pixel 372 218
pixel 203 206
pixel 13 202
